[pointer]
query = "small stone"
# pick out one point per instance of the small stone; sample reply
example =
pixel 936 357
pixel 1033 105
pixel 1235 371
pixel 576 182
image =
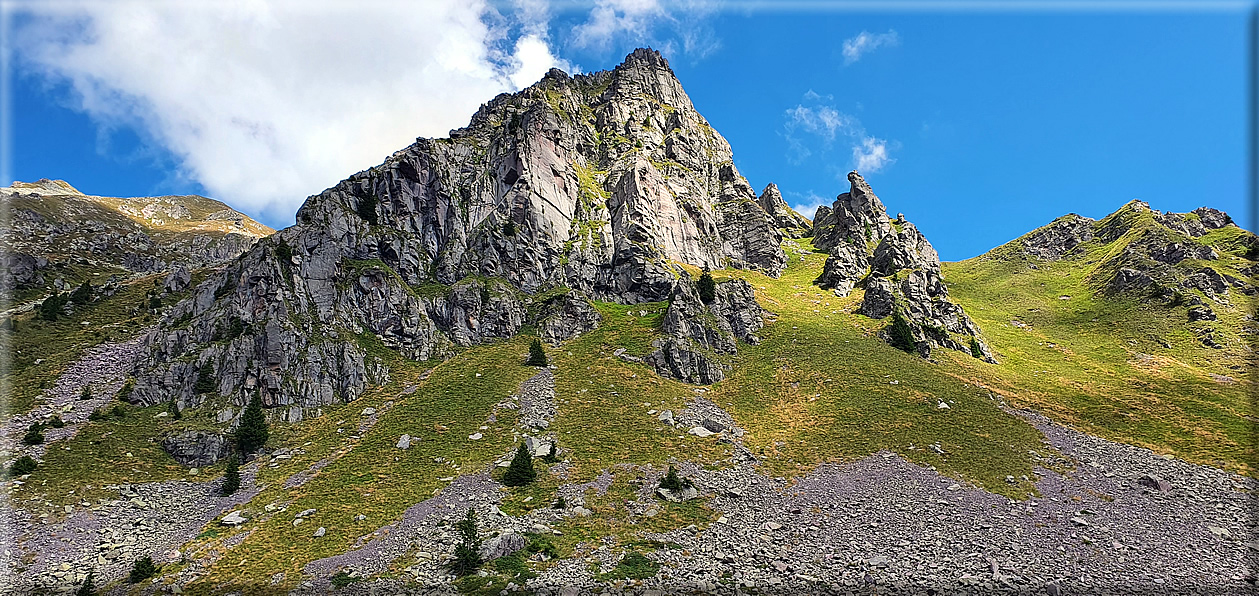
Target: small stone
pixel 475 436
pixel 369 411
pixel 700 431
pixel 234 518
pixel 320 532
pixel 404 442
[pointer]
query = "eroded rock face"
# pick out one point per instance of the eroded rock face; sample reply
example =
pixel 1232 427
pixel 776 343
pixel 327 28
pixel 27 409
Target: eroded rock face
pixel 566 316
pixel 697 336
pixel 597 183
pixel 897 267
pixel 792 224
pixel 1053 241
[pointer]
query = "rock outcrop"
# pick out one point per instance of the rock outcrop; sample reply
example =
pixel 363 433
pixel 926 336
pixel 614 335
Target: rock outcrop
pixel 897 267
pixel 600 183
pixel 792 224
pixel 196 448
pixel 1055 240
pixel 699 338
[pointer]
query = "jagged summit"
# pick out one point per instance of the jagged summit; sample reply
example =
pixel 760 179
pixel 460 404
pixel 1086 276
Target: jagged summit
pixel 600 185
pixel 897 267
pixel 43 186
pixel 791 223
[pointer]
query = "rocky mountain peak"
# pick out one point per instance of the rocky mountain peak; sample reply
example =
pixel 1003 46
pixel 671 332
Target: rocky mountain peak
pixel 43 186
pixel 855 215
pixel 791 223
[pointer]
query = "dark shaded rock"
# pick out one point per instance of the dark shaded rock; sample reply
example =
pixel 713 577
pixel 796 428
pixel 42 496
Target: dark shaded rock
pixel 1154 482
pixel 196 448
pixel 565 316
pixel 1206 280
pixel 713 425
pixel 22 270
pixel 1130 280
pixel 178 279
pixel 1201 313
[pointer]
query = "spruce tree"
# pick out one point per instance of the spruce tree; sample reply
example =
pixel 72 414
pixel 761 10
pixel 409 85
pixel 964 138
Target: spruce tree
pixel 551 456
pixel 537 356
pixel 468 551
pixel 900 334
pixel 82 294
pixel 252 433
pixel 22 466
pixel 671 482
pixel 173 409
pixel 707 287
pixel 205 379
pixel 34 434
pixel 521 471
pixel 142 569
pixel 231 478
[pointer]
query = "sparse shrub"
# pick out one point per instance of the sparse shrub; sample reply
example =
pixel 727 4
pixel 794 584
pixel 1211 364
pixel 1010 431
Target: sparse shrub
pixel 142 569
pixel 205 379
pixel 118 411
pixel 559 503
pixel 86 394
pixel 468 551
pixel 707 287
pixel 542 544
pixel 56 422
pixel 342 579
pixel 635 565
pixel 172 408
pixel 89 586
pixel 155 303
pixel 22 466
pixel 509 228
pixel 97 415
pixel 34 434
pixel 127 388
pixel 900 333
pixel 283 251
pixel 537 356
pixel 51 307
pixel 521 471
pixel 551 456
pixel 253 432
pixel 975 349
pixel 231 478
pixel 869 234
pixel 82 294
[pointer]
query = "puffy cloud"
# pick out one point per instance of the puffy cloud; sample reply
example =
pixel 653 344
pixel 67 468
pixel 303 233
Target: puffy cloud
pixel 871 154
pixel 265 102
pixel 806 204
pixel 825 122
pixel 866 42
pixel 611 19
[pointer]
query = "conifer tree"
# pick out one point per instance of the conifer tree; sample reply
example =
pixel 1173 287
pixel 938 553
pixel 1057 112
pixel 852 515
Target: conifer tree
pixel 142 569
pixel 89 587
pixel 537 356
pixel 521 471
pixel 707 287
pixel 173 409
pixel 468 551
pixel 231 478
pixel 205 379
pixel 900 334
pixel 252 433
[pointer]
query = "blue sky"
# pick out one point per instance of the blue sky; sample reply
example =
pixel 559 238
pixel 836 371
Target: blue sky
pixel 979 124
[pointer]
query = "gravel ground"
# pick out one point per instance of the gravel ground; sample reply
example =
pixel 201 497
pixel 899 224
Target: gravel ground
pixel 103 367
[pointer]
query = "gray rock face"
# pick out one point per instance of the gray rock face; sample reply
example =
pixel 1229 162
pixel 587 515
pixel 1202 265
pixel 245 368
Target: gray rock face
pixel 566 316
pixel 593 182
pixel 901 271
pixel 178 279
pixel 195 448
pixel 1051 242
pixel 21 270
pixel 792 224
pixel 1196 223
pixel 697 336
pixel 1131 280
pixel 502 545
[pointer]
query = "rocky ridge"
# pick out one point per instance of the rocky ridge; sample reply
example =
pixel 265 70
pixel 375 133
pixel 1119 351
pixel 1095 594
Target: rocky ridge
pixel 897 267
pixel 599 183
pixel 53 224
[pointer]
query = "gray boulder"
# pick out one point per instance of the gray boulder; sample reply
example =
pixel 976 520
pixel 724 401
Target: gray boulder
pixel 178 279
pixel 502 545
pixel 563 317
pixel 196 448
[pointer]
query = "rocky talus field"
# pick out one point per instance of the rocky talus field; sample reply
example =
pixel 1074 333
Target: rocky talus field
pixel 715 394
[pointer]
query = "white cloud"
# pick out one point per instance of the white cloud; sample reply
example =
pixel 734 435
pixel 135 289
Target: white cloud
pixel 866 42
pixel 871 155
pixel 808 203
pixel 266 102
pixel 611 19
pixel 674 27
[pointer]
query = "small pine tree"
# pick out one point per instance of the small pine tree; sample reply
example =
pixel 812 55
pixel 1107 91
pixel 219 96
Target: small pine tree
pixel 975 350
pixel 367 209
pixel 50 308
pixel 22 466
pixel 231 478
pixel 707 287
pixel 89 587
pixel 205 379
pixel 521 471
pixel 56 422
pixel 900 334
pixel 537 356
pixel 34 434
pixel 560 503
pixel 142 569
pixel 468 551
pixel 253 432
pixel 87 393
pixel 509 228
pixel 551 456
pixel 672 483
pixel 173 409
pixel 868 234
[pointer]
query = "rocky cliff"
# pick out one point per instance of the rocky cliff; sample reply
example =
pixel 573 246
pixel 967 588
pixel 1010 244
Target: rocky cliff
pixel 897 267
pixel 52 224
pixel 599 184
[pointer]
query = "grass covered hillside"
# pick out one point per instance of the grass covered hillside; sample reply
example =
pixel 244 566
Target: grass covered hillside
pixel 1163 362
